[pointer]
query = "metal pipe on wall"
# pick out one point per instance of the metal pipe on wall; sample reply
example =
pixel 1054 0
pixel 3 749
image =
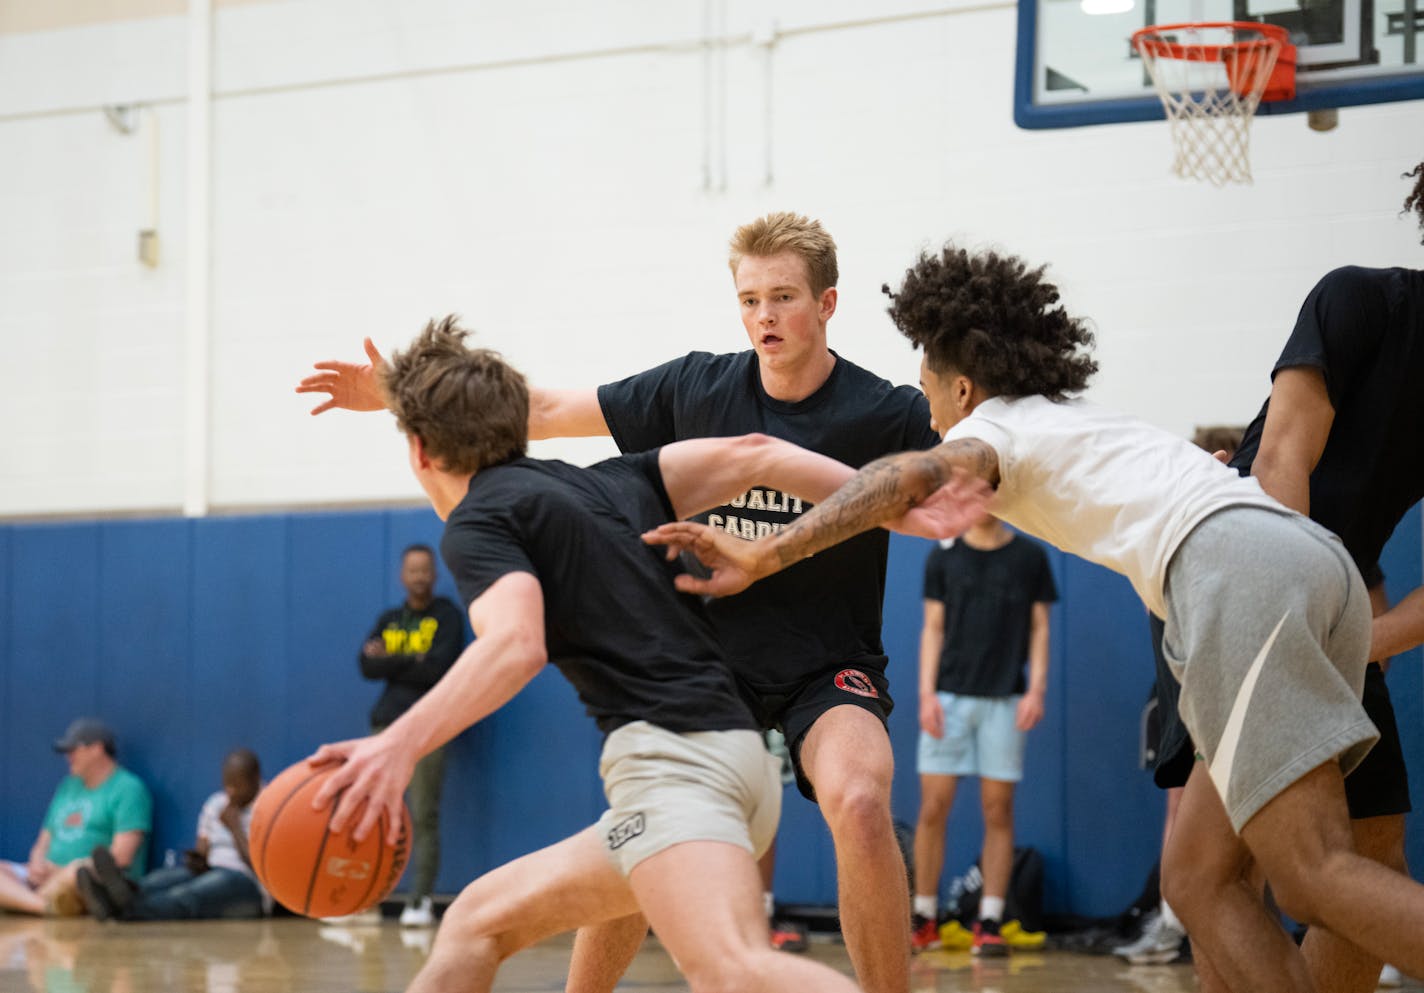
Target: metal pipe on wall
pixel 198 311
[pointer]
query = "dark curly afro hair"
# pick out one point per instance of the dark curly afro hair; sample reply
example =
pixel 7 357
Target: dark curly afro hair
pixel 992 318
pixel 1415 200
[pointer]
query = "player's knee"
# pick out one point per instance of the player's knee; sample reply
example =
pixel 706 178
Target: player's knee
pixel 934 811
pixel 723 973
pixel 1306 887
pixel 1180 889
pixel 999 814
pixel 858 809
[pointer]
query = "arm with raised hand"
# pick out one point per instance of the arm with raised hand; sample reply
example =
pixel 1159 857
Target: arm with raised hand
pixel 703 473
pixel 357 386
pixel 959 474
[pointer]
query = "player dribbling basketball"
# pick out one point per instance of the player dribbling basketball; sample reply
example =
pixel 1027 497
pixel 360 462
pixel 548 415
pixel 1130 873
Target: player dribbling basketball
pixel 548 558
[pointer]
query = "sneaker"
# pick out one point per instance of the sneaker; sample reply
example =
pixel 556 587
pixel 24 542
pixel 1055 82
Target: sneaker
pixel 988 942
pixel 787 936
pixel 418 913
pixel 1159 944
pixel 954 935
pixel 1015 936
pixel 111 879
pixel 1390 977
pixel 96 900
pixel 924 935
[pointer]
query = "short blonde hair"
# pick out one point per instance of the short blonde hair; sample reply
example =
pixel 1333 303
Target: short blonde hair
pixel 784 231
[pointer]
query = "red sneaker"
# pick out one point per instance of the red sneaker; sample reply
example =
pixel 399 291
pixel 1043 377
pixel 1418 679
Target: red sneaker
pixel 988 943
pixel 924 934
pixel 788 937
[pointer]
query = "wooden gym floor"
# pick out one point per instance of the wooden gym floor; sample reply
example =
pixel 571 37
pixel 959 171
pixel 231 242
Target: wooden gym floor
pixel 298 956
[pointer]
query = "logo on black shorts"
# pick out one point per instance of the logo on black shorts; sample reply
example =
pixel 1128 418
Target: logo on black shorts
pixel 857 682
pixel 625 831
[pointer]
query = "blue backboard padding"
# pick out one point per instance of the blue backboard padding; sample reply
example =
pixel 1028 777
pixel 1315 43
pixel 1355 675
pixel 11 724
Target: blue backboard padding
pixel 192 637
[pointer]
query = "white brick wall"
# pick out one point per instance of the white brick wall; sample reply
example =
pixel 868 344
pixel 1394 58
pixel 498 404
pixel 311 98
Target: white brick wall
pixel 558 202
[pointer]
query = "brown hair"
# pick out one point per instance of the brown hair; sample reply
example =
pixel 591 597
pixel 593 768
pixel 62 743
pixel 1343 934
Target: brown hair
pixel 1415 200
pixel 1218 438
pixel 784 231
pixel 466 405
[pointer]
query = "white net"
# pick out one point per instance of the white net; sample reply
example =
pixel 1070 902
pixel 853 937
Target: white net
pixel 1210 78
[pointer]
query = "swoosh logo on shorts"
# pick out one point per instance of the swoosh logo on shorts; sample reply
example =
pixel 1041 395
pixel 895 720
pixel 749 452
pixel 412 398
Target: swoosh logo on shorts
pixel 1226 749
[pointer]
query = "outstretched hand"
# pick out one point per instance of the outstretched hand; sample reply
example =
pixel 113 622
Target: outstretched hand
pixel 949 511
pixel 735 562
pixel 370 781
pixel 349 385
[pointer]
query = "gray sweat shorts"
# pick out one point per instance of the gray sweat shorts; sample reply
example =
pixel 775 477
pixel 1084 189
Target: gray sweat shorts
pixel 665 788
pixel 1268 631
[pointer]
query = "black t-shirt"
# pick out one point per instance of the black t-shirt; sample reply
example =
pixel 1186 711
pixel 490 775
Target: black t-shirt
pixel 420 645
pixel 632 646
pixel 988 597
pixel 1364 329
pixel 822 611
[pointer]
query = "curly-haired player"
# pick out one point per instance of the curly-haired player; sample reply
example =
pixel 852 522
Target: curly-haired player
pixel 1267 616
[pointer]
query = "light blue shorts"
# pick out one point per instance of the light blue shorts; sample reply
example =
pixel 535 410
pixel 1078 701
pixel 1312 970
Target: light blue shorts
pixel 981 739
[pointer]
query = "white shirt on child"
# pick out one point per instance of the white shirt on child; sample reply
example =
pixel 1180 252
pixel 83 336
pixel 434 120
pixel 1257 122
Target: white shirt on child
pixel 1104 486
pixel 222 848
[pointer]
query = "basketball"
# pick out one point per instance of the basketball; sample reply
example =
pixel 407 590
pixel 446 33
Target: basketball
pixel 310 870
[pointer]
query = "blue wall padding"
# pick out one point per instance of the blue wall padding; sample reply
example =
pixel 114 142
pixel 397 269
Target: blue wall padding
pixel 192 637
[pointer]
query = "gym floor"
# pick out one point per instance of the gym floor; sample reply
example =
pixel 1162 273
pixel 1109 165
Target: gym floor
pixel 292 954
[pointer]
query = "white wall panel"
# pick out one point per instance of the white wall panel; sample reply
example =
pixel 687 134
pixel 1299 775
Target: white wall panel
pixel 549 170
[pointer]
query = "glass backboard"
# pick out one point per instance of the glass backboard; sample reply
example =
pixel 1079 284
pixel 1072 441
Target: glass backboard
pixel 1076 64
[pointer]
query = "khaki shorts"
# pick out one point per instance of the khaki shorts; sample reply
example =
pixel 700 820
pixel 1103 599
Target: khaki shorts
pixel 664 789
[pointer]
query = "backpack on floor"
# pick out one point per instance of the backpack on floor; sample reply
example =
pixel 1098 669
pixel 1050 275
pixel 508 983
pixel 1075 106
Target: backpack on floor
pixel 1023 902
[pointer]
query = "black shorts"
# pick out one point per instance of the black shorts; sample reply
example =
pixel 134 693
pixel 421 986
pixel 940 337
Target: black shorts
pixel 793 709
pixel 1378 786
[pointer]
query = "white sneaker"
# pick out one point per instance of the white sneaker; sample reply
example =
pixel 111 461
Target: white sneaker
pixel 420 913
pixel 1390 977
pixel 1159 944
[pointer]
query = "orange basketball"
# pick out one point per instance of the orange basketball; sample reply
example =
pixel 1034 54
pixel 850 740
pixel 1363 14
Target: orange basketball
pixel 307 868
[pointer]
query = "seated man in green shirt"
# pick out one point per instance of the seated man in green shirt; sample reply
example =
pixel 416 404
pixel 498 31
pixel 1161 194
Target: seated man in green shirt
pixel 98 803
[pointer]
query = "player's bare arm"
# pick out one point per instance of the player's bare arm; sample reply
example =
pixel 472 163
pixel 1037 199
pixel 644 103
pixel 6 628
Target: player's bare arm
pixel 508 651
pixel 1297 426
pixel 357 386
pixel 1399 628
pixel 931 646
pixel 1030 708
pixel 565 414
pixel 885 489
pixel 703 473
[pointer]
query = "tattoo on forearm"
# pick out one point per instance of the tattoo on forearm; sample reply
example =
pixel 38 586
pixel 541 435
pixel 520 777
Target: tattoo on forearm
pixel 883 490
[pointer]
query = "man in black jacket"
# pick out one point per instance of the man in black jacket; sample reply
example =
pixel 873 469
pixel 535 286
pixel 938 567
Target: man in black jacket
pixel 411 647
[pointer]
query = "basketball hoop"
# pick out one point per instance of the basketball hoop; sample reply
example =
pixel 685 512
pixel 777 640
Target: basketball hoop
pixel 1211 78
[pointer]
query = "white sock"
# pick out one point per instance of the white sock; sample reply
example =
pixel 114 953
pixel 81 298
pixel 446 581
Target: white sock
pixel 1170 918
pixel 768 903
pixel 927 907
pixel 991 908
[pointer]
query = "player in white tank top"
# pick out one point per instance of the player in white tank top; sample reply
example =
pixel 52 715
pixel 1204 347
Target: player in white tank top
pixel 1002 359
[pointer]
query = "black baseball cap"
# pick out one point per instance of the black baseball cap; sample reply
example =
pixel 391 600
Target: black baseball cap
pixel 86 731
